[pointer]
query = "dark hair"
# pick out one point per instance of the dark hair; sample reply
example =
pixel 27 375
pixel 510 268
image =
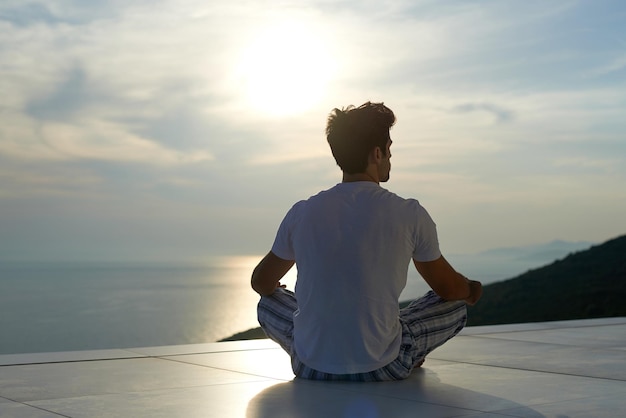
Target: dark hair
pixel 354 132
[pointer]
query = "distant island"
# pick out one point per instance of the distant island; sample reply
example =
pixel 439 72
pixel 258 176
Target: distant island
pixel 584 284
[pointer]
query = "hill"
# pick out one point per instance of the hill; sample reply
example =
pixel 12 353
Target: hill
pixel 585 284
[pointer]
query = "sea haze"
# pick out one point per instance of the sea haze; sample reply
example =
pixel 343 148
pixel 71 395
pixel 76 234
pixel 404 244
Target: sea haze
pixel 504 263
pixel 63 306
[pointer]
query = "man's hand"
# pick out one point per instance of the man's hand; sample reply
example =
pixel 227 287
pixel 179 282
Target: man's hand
pixel 476 291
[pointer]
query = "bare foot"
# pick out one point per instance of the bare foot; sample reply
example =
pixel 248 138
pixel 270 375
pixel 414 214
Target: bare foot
pixel 419 364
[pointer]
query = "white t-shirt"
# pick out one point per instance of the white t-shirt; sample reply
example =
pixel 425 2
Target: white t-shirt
pixel 352 245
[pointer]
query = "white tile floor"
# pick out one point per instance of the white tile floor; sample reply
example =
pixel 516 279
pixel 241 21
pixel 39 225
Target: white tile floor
pixel 550 369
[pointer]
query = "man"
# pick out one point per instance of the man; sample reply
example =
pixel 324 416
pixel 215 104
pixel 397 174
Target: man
pixel 352 245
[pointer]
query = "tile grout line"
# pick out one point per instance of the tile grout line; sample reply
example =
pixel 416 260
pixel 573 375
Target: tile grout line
pixel 46 410
pixel 541 329
pixel 74 361
pixel 34 406
pixel 511 340
pixel 137 356
pixel 201 352
pixel 224 369
pixel 612 379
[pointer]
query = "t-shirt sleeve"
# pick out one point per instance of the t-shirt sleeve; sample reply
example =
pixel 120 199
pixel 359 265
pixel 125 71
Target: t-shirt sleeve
pixel 283 243
pixel 426 240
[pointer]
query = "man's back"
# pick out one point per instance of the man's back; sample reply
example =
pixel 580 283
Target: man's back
pixel 352 244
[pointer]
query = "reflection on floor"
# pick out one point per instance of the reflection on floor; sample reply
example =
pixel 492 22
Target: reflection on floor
pixel 550 369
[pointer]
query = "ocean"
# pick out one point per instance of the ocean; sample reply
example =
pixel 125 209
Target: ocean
pixel 67 306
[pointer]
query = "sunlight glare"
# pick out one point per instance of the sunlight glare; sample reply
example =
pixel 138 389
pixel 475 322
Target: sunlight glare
pixel 286 69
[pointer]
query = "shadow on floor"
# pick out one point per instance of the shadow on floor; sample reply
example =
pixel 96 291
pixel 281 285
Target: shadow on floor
pixel 422 394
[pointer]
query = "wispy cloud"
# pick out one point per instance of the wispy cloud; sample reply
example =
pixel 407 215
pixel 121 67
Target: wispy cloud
pixel 500 114
pixel 616 64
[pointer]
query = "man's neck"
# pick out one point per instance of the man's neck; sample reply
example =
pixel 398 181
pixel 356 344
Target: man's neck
pixel 350 178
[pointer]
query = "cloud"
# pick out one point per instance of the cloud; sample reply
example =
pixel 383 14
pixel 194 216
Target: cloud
pixel 87 139
pixel 100 140
pixel 71 97
pixel 25 13
pixel 500 114
pixel 28 14
pixel 615 65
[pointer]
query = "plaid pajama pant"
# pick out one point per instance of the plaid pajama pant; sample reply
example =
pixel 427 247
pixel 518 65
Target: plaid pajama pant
pixel 427 323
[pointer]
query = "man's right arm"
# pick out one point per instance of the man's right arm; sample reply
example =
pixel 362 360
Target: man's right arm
pixel 267 274
pixel 447 282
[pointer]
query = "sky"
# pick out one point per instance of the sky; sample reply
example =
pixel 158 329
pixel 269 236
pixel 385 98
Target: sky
pixel 183 129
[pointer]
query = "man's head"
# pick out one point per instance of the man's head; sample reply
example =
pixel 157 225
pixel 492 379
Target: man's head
pixel 354 133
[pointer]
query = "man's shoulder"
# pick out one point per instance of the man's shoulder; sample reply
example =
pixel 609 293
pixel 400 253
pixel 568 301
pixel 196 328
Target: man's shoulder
pixel 406 201
pixel 300 204
pixel 322 194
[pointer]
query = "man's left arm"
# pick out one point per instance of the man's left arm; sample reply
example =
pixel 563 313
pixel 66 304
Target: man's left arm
pixel 447 283
pixel 267 274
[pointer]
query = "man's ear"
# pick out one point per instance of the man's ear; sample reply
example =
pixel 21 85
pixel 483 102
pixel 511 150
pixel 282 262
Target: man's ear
pixel 378 154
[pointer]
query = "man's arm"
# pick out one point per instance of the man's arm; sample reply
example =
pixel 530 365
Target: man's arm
pixel 447 283
pixel 267 274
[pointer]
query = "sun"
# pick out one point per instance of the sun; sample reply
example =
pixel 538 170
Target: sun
pixel 286 69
